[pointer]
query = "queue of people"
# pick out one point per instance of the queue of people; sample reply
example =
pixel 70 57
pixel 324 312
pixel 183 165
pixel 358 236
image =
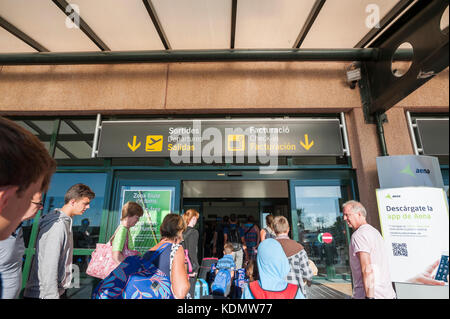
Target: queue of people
pixel 277 267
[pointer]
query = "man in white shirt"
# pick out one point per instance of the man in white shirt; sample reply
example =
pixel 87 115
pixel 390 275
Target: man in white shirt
pixel 368 257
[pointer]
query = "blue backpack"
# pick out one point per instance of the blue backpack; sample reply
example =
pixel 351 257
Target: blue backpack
pixel 222 282
pixel 136 278
pixel 240 281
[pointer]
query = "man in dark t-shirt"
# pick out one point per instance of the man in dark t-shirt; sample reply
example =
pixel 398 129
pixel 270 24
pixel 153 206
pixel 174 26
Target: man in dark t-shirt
pixel 218 239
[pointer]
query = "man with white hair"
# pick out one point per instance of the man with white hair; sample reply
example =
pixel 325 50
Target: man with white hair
pixel 368 258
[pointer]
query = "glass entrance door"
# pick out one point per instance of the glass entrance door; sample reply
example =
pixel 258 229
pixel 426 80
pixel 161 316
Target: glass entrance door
pixel 320 227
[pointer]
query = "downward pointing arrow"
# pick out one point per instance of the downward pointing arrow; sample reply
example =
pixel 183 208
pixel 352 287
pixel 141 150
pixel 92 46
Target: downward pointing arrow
pixel 134 147
pixel 307 145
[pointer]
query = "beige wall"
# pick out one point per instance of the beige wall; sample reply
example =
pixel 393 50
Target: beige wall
pixel 177 88
pixel 237 88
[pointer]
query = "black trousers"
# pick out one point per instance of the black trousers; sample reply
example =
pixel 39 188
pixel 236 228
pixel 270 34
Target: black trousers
pixel 192 282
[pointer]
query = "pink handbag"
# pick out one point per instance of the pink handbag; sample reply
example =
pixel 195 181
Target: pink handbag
pixel 102 263
pixel 129 252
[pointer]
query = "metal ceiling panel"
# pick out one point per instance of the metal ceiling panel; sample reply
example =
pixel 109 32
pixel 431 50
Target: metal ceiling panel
pixel 343 23
pixel 65 129
pixel 79 149
pixel 60 154
pixel 195 24
pixel 123 24
pixel 270 24
pixel 27 127
pixel 43 21
pixel 44 127
pixel 85 126
pixel 10 44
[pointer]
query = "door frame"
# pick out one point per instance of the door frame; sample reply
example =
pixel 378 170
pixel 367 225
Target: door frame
pixel 343 183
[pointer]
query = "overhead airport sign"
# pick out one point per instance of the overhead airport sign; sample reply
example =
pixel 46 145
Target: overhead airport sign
pixel 213 140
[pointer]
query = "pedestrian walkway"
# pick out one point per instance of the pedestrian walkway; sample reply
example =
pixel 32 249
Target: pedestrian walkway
pixel 322 291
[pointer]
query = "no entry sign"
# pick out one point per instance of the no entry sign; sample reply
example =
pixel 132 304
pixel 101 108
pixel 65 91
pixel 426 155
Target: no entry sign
pixel 326 238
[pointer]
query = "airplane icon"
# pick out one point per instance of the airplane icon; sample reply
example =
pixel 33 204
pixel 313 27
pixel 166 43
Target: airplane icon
pixel 154 143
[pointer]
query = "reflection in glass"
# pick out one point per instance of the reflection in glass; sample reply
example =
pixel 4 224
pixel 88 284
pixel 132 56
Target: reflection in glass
pixel 86 228
pixel 318 211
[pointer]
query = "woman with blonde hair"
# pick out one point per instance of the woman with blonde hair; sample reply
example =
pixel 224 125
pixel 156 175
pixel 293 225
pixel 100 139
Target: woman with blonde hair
pixel 190 245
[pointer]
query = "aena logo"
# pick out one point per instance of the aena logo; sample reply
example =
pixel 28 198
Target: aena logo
pixel 408 171
pixel 392 196
pixel 423 171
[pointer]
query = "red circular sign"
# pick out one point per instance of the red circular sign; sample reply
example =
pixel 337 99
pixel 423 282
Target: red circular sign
pixel 327 238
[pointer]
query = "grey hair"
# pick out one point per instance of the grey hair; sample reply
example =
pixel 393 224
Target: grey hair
pixel 355 207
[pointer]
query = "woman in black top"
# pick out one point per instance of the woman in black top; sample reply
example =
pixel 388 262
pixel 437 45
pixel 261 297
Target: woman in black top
pixel 190 246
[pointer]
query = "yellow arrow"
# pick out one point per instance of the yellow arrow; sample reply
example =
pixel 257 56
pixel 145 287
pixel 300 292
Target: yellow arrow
pixel 307 145
pixel 134 147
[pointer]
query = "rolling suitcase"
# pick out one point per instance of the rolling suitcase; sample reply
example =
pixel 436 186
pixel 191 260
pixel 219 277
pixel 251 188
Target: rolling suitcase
pixel 240 280
pixel 205 267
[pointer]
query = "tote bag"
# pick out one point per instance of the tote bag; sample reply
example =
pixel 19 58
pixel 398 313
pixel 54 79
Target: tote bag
pixel 102 263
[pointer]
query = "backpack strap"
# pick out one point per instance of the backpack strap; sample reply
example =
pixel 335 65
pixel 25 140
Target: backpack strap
pixel 114 235
pixel 249 229
pixel 188 261
pixel 157 252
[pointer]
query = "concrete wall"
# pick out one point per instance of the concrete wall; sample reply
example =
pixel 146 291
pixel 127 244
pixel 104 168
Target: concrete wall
pixel 225 88
pixel 177 88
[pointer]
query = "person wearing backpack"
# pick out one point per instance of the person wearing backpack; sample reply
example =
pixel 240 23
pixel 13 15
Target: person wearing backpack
pixel 236 236
pixel 252 237
pixel 159 274
pixel 190 245
pixel 224 272
pixel 273 267
pixel 218 238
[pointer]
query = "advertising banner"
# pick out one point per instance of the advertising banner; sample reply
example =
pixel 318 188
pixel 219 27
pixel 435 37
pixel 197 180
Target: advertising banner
pixel 409 170
pixel 157 202
pixel 415 227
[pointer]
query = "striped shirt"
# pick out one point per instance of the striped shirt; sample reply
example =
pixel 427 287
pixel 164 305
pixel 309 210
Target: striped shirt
pixel 227 262
pixel 298 261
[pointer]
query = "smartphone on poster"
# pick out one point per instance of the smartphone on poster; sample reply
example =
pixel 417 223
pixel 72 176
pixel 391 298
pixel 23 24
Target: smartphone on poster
pixel 442 271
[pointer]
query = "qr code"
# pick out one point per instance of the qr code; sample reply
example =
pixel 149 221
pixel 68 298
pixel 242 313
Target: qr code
pixel 400 249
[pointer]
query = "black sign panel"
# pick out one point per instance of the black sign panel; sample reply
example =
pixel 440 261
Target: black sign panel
pixel 221 138
pixel 433 134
